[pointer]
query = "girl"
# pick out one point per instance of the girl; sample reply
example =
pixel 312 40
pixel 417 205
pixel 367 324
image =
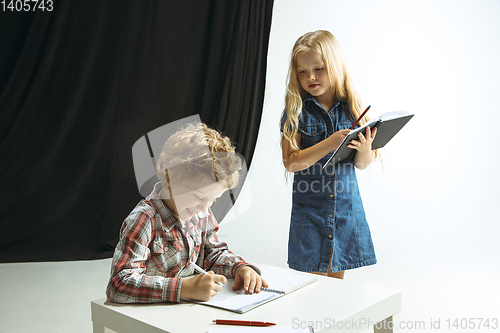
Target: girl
pixel 328 229
pixel 174 227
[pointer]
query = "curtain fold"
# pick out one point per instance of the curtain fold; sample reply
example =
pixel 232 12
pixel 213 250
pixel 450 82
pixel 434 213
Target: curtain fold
pixel 78 87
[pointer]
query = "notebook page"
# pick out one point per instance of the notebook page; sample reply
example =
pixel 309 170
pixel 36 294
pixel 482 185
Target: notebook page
pixel 286 280
pixel 229 299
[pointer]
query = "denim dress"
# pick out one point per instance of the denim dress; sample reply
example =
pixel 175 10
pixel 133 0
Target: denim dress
pixel 327 212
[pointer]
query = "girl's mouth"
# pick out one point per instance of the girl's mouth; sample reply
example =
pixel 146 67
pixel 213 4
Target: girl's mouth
pixel 312 86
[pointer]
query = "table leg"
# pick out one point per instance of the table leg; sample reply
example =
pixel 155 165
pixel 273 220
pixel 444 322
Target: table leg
pixel 388 325
pixel 97 328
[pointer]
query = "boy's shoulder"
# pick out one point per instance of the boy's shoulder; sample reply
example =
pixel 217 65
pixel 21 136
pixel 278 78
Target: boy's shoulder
pixel 145 208
pixel 144 212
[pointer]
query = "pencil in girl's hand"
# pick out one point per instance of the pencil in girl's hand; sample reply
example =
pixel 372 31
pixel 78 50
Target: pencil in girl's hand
pixel 359 118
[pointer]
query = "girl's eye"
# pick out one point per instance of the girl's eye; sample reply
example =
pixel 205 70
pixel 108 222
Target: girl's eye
pixel 318 69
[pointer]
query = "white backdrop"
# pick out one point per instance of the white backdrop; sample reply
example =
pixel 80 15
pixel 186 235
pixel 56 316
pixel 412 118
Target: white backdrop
pixel 432 201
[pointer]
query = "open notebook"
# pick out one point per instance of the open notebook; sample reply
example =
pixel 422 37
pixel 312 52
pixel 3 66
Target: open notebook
pixel 281 282
pixel 388 125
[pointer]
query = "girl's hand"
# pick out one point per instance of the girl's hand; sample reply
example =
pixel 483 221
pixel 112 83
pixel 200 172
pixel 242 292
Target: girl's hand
pixel 251 280
pixel 337 138
pixel 202 287
pixel 365 142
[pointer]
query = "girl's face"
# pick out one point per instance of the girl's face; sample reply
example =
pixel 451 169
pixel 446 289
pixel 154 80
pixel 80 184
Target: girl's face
pixel 313 77
pixel 188 202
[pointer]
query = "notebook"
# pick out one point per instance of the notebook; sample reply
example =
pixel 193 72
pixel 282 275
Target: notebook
pixel 388 125
pixel 281 282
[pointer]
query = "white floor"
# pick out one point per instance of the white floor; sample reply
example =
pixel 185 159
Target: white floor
pixel 50 297
pixel 55 296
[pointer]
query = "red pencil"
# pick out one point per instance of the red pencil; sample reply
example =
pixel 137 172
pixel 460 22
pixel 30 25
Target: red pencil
pixel 242 322
pixel 357 120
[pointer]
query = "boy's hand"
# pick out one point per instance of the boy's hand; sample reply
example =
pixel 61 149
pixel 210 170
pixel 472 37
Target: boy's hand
pixel 365 142
pixel 250 279
pixel 202 287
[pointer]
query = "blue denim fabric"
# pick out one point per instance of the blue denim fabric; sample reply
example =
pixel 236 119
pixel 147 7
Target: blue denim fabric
pixel 327 212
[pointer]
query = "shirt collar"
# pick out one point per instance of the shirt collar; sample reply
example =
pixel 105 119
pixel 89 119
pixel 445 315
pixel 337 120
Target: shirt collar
pixel 169 220
pixel 311 98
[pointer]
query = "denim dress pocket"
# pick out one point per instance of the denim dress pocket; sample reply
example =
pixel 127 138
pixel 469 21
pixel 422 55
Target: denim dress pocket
pixel 311 134
pixel 343 126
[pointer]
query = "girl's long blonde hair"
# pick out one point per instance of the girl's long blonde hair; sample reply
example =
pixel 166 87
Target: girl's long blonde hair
pixel 325 43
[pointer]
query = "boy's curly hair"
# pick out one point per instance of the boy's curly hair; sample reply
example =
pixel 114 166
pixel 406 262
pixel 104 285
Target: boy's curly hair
pixel 197 151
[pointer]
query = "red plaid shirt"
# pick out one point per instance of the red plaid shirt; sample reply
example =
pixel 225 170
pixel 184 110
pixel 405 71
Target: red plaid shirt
pixel 154 250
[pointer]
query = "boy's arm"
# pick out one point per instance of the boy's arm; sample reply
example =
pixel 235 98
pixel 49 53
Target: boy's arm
pixel 128 282
pixel 219 259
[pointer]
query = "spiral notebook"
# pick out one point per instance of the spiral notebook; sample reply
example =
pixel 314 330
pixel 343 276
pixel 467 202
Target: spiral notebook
pixel 281 282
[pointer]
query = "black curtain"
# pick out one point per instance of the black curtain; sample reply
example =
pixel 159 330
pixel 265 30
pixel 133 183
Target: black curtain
pixel 80 84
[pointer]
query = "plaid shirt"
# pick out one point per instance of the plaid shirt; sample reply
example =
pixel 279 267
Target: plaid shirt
pixel 154 251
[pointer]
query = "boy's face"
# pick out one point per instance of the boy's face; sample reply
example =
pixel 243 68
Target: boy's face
pixel 313 76
pixel 188 202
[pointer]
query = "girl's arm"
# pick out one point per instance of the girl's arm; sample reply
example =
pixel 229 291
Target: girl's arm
pixel 302 159
pixel 364 154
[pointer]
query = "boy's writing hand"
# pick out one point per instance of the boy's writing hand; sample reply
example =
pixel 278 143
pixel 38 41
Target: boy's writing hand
pixel 365 141
pixel 202 287
pixel 250 279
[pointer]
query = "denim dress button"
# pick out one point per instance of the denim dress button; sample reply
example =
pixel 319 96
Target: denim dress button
pixel 330 236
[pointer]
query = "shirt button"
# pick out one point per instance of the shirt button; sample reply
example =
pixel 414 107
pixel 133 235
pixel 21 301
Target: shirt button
pixel 330 132
pixel 313 132
pixel 331 195
pixel 330 215
pixel 330 236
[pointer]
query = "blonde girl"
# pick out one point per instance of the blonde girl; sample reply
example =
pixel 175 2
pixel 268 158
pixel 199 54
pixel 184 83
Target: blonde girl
pixel 328 230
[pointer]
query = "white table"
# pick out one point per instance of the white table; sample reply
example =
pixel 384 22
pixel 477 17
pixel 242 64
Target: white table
pixel 329 305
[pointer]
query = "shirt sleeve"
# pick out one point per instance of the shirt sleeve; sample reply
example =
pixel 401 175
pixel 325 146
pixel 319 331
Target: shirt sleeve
pixel 128 282
pixel 218 257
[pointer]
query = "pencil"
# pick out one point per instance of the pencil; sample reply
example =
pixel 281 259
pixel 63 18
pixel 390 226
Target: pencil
pixel 359 118
pixel 201 270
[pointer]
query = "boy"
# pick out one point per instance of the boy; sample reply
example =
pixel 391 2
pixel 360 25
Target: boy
pixel 173 227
